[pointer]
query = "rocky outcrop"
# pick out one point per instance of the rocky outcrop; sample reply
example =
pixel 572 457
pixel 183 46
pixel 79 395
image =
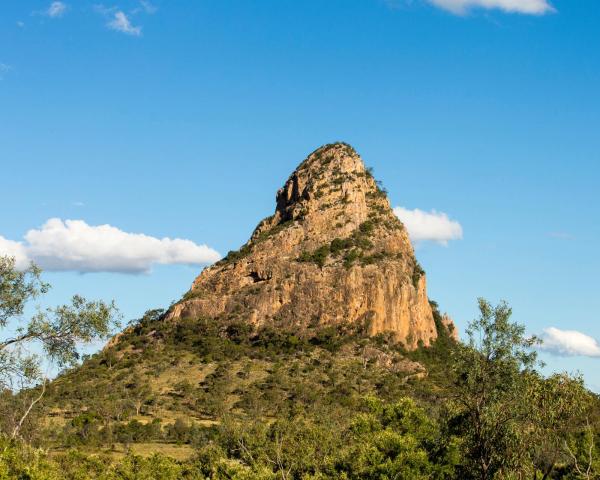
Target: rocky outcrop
pixel 448 324
pixel 333 252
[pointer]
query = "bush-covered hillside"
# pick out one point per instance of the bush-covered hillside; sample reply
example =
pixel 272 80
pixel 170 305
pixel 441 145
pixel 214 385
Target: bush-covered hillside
pixel 224 399
pixel 200 399
pixel 176 382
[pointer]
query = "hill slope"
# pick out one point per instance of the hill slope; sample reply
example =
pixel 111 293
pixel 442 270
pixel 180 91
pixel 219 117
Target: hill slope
pixel 171 382
pixel 324 305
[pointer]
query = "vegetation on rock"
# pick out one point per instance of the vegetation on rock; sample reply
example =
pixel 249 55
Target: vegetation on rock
pixel 331 213
pixel 236 403
pixel 269 368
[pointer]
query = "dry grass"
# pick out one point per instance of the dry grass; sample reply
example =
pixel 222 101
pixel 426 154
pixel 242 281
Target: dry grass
pixel 187 368
pixel 120 450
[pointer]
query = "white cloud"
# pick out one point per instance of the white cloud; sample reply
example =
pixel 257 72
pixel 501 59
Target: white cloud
pixel 569 343
pixel 148 7
pixel 104 10
pixel 16 250
pixel 73 245
pixel 529 7
pixel 56 10
pixel 4 68
pixel 429 226
pixel 121 23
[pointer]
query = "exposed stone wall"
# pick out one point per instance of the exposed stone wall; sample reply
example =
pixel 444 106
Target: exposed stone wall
pixel 333 252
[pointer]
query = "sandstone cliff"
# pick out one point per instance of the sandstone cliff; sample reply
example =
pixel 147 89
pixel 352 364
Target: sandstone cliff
pixel 333 252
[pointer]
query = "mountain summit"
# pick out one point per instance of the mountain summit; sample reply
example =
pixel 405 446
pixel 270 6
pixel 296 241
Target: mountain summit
pixel 333 253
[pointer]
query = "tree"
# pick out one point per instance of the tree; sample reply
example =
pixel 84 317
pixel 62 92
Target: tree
pixel 490 381
pixel 397 441
pixel 140 393
pixel 558 405
pixel 56 332
pixel 582 451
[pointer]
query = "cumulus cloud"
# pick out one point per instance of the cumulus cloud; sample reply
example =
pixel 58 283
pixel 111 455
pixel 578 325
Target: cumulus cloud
pixel 429 226
pixel 16 250
pixel 56 10
pixel 529 7
pixel 73 245
pixel 569 343
pixel 121 23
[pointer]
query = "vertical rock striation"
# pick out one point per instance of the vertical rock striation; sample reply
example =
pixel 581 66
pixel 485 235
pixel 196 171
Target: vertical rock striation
pixel 333 252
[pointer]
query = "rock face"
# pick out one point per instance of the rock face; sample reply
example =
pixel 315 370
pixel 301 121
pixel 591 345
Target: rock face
pixel 333 252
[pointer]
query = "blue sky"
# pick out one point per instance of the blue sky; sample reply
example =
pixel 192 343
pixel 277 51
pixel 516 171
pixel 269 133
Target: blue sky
pixel 181 119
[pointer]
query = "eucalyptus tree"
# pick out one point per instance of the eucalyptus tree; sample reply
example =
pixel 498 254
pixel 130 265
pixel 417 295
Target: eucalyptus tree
pixel 489 391
pixel 558 422
pixel 48 337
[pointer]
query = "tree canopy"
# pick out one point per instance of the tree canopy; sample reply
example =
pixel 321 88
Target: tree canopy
pixel 48 336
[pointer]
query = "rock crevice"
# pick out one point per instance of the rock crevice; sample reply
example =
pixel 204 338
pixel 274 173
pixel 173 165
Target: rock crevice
pixel 333 252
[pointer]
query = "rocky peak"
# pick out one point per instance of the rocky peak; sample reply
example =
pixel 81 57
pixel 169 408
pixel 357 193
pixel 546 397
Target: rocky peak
pixel 333 252
pixel 331 195
pixel 332 175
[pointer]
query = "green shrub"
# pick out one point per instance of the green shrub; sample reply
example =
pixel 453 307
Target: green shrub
pixel 418 272
pixel 234 256
pixel 366 228
pixel 351 257
pixel 319 256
